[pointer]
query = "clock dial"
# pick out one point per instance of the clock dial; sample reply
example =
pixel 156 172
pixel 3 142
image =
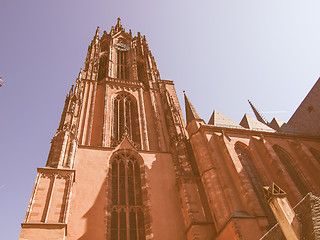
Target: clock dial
pixel 122 47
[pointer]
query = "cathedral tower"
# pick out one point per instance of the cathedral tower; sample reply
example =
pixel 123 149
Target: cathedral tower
pixel 120 165
pixel 123 165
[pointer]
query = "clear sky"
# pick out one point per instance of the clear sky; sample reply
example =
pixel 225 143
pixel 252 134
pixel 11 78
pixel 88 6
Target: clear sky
pixel 221 52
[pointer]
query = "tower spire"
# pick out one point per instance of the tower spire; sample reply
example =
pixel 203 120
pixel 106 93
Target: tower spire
pixel 258 115
pixel 118 26
pixel 97 32
pixel 191 112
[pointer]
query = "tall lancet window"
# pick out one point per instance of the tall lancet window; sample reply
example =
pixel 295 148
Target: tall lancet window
pixel 316 154
pixel 102 73
pixel 122 66
pixel 255 179
pixel 287 162
pixel 125 119
pixel 127 211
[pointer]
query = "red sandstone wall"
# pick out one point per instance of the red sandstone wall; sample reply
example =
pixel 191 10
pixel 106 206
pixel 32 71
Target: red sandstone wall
pixel 217 159
pixel 87 220
pixel 41 233
pixel 86 214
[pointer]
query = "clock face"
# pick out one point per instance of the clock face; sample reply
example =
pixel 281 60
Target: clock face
pixel 122 47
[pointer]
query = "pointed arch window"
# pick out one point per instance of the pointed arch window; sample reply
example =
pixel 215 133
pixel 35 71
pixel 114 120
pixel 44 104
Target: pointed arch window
pixel 125 119
pixel 122 66
pixel 286 160
pixel 102 72
pixel 255 179
pixel 127 211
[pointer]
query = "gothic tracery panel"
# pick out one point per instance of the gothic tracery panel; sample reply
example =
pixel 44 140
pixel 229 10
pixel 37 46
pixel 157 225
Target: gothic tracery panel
pixel 102 72
pixel 287 162
pixel 254 177
pixel 125 119
pixel 122 66
pixel 127 210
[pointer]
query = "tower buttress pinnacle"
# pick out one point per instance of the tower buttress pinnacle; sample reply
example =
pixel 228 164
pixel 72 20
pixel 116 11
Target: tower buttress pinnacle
pixel 118 27
pixel 191 112
pixel 64 143
pixel 258 115
pixel 97 32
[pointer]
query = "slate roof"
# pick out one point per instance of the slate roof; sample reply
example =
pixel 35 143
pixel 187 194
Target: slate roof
pixel 219 120
pixel 305 120
pixel 253 124
pixel 276 124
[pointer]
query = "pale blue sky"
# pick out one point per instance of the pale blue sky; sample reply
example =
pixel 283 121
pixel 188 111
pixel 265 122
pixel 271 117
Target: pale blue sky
pixel 221 52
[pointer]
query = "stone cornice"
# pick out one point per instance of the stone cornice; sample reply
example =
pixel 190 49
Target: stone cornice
pixel 238 214
pixel 88 80
pixel 62 172
pixel 42 225
pixel 121 82
pixel 113 148
pixel 207 127
pixel 166 81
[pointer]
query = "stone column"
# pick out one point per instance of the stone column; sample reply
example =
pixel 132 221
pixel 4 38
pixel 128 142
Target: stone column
pixel 105 120
pixel 145 140
pixel 283 212
pixel 91 113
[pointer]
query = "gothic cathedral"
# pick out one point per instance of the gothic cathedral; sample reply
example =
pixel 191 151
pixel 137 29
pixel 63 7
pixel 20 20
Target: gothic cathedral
pixel 124 165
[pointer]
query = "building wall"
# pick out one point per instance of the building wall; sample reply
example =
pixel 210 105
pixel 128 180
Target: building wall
pixel 87 214
pixel 233 200
pixel 198 181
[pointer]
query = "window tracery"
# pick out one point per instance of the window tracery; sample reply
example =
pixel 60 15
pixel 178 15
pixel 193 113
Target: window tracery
pixel 122 66
pixel 255 178
pixel 127 211
pixel 102 72
pixel 125 119
pixel 286 160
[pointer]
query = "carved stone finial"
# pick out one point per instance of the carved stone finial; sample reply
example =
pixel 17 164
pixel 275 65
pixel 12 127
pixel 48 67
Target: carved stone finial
pixel 273 191
pixel 80 73
pixel 126 132
pixel 112 30
pixel 258 115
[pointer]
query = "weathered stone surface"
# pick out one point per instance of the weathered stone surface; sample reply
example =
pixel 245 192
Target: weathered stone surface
pixel 124 162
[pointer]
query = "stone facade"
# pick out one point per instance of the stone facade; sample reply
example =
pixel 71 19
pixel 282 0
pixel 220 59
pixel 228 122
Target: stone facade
pixel 124 165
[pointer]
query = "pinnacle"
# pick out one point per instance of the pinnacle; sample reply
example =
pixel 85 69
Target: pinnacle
pixel 191 113
pixel 118 26
pixel 97 31
pixel 258 115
